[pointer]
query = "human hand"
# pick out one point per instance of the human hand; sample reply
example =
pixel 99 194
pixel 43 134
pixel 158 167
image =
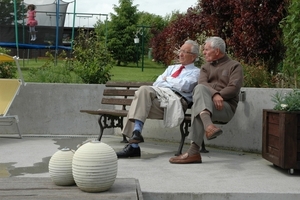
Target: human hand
pixel 218 101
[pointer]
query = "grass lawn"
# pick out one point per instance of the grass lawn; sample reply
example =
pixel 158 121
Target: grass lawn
pixel 131 72
pixel 150 72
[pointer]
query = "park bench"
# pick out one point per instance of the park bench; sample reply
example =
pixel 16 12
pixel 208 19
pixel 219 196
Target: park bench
pixel 120 94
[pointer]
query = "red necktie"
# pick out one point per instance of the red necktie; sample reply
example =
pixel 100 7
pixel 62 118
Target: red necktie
pixel 175 74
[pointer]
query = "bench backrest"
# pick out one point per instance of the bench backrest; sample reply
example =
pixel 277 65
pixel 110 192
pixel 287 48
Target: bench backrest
pixel 121 93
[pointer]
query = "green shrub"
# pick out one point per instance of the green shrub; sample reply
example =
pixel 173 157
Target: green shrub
pixel 92 61
pixel 287 101
pixel 50 72
pixel 291 38
pixel 257 76
pixel 7 69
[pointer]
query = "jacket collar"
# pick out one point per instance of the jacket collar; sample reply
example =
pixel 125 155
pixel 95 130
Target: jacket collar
pixel 221 60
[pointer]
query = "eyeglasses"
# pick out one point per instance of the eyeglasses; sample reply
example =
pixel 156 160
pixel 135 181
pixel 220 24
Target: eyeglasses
pixel 184 52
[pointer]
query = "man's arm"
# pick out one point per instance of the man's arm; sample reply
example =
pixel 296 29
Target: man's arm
pixel 235 82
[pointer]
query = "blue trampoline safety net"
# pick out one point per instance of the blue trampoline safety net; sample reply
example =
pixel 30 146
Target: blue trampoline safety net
pixel 32 46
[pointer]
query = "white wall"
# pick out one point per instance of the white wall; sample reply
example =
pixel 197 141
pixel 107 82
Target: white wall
pixel 53 109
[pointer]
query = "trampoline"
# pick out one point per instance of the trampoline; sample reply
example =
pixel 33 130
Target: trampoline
pixel 51 19
pixel 33 46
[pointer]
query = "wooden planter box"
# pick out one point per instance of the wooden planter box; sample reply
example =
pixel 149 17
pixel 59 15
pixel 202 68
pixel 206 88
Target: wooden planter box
pixel 281 138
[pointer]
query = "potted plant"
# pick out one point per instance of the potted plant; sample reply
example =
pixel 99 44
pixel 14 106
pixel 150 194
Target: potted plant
pixel 281 131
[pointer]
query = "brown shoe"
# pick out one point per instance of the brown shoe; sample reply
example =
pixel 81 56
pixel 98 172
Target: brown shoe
pixel 185 159
pixel 212 132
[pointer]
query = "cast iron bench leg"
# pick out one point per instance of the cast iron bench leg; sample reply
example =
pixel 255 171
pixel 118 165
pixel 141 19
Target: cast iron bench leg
pixel 185 132
pixel 203 149
pixel 101 127
pixel 124 139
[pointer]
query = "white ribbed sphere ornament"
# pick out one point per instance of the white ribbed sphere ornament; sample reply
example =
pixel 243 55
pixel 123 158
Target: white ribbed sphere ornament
pixel 95 166
pixel 60 167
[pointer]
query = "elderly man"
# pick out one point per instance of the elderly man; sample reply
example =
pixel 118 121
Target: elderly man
pixel 180 79
pixel 215 98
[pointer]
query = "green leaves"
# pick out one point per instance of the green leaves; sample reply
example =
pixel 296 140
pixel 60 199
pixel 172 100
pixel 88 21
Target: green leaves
pixel 7 69
pixel 287 101
pixel 92 60
pixel 7 11
pixel 291 28
pixel 120 33
pixel 50 72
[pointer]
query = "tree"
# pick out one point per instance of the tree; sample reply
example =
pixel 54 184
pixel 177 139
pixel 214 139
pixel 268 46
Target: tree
pixel 7 11
pixel 256 35
pixel 101 30
pixel 7 69
pixel 155 24
pixel 250 29
pixel 291 32
pixel 92 60
pixel 121 32
pixel 180 28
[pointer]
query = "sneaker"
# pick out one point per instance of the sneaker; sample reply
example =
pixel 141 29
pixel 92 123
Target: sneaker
pixel 136 137
pixel 129 151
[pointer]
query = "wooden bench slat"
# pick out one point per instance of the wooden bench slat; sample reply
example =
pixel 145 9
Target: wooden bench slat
pixel 122 113
pixel 116 101
pixel 127 84
pixel 118 92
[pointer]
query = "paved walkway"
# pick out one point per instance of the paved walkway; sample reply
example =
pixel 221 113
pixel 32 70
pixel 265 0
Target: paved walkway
pixel 223 174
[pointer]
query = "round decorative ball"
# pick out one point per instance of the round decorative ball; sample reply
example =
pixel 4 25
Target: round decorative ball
pixel 60 167
pixel 94 167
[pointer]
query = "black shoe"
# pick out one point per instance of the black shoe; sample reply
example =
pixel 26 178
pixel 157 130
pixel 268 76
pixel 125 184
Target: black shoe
pixel 129 151
pixel 136 137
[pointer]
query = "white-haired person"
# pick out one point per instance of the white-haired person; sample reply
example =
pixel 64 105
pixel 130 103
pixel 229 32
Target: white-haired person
pixel 177 82
pixel 215 98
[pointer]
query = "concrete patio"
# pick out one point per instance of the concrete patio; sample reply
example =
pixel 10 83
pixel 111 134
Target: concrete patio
pixel 223 174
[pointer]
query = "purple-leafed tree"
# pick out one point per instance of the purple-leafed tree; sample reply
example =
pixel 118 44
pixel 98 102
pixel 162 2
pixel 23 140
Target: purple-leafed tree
pixel 250 28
